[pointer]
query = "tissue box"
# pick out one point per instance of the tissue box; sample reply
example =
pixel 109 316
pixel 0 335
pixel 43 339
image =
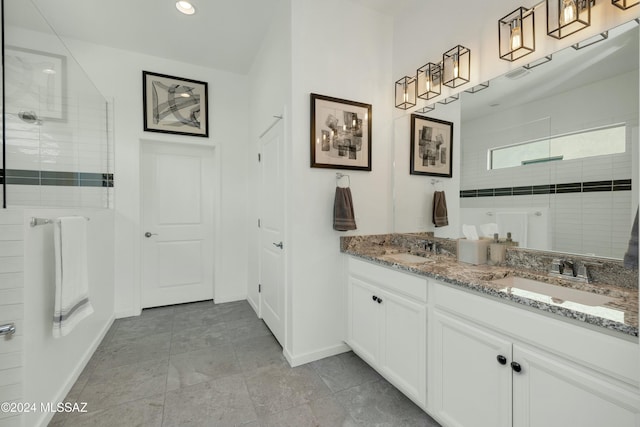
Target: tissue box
pixel 473 251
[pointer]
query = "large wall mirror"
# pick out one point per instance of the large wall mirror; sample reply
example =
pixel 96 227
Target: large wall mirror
pixel 550 153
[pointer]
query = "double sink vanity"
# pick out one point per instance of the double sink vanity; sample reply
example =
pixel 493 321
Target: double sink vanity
pixel 496 345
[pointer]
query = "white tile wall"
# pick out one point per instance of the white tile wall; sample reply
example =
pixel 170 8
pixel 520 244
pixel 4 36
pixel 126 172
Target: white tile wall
pixel 11 310
pixel 77 143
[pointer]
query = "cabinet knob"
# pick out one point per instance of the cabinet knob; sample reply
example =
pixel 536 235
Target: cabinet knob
pixel 516 366
pixel 375 298
pixel 501 359
pixel 379 300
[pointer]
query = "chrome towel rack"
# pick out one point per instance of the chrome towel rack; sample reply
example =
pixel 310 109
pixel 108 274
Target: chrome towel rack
pixel 44 221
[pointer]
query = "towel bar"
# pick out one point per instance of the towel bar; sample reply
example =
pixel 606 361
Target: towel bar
pixel 43 221
pixel 339 176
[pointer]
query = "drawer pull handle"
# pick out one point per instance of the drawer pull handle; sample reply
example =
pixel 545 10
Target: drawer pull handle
pixel 501 359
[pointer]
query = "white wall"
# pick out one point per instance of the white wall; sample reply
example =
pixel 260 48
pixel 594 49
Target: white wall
pixel 118 74
pixel 270 89
pixel 51 366
pixel 343 50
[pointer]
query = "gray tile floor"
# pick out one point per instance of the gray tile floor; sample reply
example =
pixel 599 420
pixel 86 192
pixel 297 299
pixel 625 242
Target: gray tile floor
pixel 218 365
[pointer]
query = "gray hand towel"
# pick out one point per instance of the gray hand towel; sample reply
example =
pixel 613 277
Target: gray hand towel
pixel 631 257
pixel 343 217
pixel 440 215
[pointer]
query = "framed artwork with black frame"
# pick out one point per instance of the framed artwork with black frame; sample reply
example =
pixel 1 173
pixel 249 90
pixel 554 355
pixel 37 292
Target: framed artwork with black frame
pixel 431 147
pixel 340 133
pixel 175 105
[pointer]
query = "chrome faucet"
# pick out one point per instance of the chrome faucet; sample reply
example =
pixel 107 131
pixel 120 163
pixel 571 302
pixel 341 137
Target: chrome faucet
pixel 568 269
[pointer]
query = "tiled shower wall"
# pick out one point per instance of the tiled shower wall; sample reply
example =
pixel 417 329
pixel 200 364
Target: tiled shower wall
pixel 58 148
pixel 590 201
pixel 11 311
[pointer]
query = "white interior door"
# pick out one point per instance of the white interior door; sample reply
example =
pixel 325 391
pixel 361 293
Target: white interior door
pixel 271 231
pixel 177 225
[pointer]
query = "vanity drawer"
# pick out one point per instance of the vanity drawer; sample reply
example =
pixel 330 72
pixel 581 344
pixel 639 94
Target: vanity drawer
pixel 398 281
pixel 611 355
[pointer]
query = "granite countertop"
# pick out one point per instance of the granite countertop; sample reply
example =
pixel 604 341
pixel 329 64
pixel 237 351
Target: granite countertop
pixel 617 310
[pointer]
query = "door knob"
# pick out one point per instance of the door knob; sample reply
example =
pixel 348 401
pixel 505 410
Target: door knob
pixel 149 234
pixel 8 329
pixel 278 245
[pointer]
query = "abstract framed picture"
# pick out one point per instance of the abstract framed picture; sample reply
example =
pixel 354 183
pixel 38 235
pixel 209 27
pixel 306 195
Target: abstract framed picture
pixel 431 147
pixel 175 105
pixel 340 133
pixel 36 83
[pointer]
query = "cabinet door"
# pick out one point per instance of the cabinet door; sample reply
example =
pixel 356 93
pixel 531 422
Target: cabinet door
pixel 468 385
pixel 549 391
pixel 403 358
pixel 363 318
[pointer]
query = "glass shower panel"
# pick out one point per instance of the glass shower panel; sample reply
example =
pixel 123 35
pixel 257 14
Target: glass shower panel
pixel 57 137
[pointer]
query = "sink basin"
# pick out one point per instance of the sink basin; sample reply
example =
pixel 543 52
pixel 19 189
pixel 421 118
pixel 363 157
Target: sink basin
pixel 407 258
pixel 558 294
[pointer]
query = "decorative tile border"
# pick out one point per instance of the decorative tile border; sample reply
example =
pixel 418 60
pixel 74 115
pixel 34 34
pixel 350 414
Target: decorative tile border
pixel 60 179
pixel 571 187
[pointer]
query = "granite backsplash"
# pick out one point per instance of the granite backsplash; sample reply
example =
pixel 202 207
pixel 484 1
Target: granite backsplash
pixel 603 270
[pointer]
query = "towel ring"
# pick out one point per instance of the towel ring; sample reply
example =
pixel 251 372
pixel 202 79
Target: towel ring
pixel 339 176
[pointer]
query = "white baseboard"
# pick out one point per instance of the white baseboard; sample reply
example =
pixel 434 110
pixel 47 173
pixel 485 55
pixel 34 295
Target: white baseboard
pixel 254 306
pixel 127 313
pixel 73 377
pixel 230 298
pixel 301 359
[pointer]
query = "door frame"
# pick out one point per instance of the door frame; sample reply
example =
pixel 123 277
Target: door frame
pixel 215 187
pixel 286 162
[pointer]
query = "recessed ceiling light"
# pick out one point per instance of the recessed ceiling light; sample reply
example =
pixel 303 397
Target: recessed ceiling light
pixel 185 7
pixel 49 71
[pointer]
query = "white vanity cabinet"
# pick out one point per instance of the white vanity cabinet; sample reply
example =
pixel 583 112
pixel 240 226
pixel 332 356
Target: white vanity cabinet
pixel 482 373
pixel 387 325
pixel 551 392
pixel 468 385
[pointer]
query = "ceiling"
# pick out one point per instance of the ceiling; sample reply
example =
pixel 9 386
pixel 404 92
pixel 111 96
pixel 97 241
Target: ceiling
pixel 223 34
